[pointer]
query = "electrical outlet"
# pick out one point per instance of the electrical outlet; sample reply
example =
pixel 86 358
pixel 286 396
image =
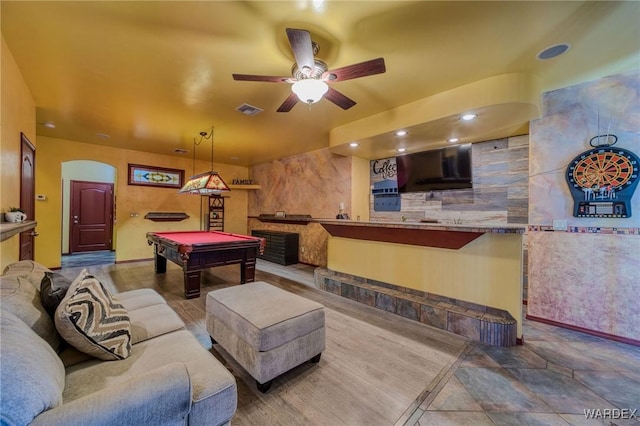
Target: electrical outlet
pixel 559 225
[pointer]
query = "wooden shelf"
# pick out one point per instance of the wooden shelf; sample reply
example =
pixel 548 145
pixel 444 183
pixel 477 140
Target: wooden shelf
pixel 166 216
pixel 299 219
pixel 8 230
pixel 244 186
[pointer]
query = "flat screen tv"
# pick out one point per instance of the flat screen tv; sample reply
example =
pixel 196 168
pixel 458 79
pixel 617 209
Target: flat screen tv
pixel 436 170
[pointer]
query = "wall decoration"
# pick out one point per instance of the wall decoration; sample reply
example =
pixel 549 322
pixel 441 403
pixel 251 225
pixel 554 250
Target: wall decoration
pixel 602 181
pixel 383 175
pixel 155 176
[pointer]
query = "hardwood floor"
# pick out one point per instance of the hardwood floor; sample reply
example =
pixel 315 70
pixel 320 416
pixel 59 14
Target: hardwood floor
pixel 376 369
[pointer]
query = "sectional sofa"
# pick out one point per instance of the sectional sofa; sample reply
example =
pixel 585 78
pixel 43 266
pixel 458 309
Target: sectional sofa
pixel 158 373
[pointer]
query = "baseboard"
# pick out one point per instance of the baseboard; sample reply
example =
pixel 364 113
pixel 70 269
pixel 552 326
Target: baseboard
pixel 585 330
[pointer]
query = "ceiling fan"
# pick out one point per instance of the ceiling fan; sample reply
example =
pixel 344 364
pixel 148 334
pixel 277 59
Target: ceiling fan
pixel 311 75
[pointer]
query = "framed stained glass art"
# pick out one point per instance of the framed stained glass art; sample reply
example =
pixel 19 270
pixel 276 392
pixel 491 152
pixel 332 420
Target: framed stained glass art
pixel 155 176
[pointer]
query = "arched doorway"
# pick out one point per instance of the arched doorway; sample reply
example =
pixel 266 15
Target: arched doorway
pixel 88 206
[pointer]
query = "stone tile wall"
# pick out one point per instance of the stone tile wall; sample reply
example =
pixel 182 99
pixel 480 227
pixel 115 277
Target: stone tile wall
pixel 499 195
pixel 482 323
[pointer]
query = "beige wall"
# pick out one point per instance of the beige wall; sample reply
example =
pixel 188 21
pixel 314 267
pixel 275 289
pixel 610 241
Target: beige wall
pixel 487 271
pixel 130 231
pixel 17 114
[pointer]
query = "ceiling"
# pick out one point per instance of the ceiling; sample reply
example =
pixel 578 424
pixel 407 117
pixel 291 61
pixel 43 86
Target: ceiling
pixel 153 75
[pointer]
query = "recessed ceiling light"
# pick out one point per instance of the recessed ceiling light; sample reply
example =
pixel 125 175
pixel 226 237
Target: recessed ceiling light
pixel 401 133
pixel 353 144
pixel 49 124
pixel 467 117
pixel 401 149
pixel 453 140
pixel 553 51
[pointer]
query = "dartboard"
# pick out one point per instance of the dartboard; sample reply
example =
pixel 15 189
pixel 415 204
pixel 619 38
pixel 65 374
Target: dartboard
pixel 603 167
pixel 602 182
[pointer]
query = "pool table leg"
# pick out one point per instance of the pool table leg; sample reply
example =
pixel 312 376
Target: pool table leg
pixel 160 263
pixel 247 271
pixel 192 284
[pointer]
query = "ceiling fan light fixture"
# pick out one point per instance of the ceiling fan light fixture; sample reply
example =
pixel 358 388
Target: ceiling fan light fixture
pixel 309 90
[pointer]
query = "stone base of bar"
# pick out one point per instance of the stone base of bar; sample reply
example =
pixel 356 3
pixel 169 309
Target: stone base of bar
pixel 485 324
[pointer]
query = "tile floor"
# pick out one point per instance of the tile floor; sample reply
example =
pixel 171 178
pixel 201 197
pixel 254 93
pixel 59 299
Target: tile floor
pixel 555 378
pixel 558 377
pixel 90 258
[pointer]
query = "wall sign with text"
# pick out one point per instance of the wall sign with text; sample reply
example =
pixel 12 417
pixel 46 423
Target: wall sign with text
pixel 383 176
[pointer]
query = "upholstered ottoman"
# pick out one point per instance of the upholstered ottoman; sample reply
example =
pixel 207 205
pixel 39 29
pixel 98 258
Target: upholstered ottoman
pixel 267 330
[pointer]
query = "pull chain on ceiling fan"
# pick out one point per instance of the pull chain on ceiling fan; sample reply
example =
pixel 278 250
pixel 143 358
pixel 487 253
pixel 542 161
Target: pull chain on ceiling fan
pixel 310 76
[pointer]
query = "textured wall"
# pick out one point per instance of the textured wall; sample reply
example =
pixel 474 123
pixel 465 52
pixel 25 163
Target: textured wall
pixel 130 232
pixel 314 183
pixel 587 276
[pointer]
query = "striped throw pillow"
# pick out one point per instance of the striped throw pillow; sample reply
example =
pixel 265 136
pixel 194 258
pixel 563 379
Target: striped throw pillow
pixel 90 319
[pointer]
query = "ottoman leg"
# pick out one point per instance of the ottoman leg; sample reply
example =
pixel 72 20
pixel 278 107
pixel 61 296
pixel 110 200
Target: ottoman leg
pixel 264 387
pixel 316 359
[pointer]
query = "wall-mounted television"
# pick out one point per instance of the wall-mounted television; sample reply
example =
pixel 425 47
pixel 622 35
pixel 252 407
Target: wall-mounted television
pixel 436 170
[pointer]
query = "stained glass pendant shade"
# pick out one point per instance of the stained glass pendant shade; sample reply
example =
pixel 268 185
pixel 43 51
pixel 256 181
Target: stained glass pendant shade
pixel 208 183
pixel 204 184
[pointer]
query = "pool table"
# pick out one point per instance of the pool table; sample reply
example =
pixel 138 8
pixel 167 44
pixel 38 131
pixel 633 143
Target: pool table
pixel 198 250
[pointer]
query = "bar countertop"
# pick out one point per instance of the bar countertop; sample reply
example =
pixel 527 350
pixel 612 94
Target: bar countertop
pixel 441 235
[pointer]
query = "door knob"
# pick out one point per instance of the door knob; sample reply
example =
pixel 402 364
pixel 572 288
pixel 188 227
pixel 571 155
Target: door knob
pixel 34 233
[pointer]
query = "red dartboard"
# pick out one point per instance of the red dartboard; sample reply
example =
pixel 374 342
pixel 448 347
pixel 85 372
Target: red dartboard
pixel 602 167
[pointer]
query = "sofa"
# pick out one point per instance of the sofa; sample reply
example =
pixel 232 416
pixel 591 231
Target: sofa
pixel 141 368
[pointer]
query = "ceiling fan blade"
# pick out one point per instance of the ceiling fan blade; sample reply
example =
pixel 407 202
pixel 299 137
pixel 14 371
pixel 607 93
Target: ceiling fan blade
pixel 300 41
pixel 288 103
pixel 267 78
pixel 363 69
pixel 339 99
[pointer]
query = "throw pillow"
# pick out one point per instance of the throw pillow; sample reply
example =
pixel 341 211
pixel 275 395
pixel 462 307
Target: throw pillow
pixel 91 320
pixel 31 374
pixel 53 288
pixel 32 271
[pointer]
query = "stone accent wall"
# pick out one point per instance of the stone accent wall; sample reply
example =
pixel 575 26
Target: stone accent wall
pixel 482 323
pixel 500 170
pixel 312 243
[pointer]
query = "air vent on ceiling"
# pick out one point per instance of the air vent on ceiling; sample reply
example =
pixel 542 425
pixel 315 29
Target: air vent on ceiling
pixel 247 109
pixel 180 151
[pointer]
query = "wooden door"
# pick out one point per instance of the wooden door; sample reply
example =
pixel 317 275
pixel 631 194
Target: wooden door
pixel 91 215
pixel 27 195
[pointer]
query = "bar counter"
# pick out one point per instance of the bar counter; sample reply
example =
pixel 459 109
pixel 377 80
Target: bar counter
pixel 476 263
pixel 449 236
